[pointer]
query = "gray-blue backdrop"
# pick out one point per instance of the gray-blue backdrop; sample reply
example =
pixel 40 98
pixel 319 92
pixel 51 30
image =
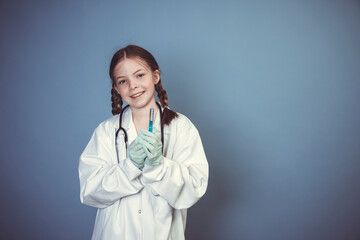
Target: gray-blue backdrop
pixel 272 86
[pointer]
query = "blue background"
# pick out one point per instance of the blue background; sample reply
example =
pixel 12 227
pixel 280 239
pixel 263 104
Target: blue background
pixel 272 86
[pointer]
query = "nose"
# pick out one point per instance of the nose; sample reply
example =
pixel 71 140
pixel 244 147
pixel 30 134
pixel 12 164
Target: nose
pixel 132 84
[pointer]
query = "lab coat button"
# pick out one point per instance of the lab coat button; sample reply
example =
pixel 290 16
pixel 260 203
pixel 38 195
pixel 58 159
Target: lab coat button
pixel 139 211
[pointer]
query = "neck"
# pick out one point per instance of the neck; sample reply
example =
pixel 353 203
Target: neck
pixel 142 114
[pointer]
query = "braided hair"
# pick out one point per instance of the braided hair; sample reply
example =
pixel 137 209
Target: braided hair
pixel 133 51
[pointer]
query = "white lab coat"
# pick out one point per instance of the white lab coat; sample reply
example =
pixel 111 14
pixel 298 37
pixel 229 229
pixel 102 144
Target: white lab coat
pixel 148 204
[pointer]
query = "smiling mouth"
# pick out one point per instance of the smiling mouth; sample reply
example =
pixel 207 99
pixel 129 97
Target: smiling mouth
pixel 137 95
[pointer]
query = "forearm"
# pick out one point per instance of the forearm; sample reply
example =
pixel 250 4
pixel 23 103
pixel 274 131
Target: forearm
pixel 102 186
pixel 181 185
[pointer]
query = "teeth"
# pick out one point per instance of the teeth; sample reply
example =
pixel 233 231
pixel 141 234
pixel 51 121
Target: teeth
pixel 136 95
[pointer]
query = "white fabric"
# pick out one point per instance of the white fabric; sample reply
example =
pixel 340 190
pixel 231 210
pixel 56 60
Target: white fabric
pixel 148 204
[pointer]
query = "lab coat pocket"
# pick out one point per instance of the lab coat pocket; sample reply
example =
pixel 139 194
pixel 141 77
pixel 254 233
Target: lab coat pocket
pixel 163 209
pixel 154 192
pixel 102 218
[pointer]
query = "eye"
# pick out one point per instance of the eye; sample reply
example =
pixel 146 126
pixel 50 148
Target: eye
pixel 121 82
pixel 140 75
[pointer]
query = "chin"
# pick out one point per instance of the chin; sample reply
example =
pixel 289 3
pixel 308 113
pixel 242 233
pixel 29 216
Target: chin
pixel 140 105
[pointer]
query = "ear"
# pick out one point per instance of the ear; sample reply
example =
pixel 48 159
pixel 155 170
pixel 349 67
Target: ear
pixel 116 88
pixel 156 75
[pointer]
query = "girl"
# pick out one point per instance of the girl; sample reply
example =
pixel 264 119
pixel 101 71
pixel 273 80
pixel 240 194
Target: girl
pixel 142 182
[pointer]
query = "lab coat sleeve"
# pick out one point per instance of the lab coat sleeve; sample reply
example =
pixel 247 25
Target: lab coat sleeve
pixel 183 180
pixel 102 180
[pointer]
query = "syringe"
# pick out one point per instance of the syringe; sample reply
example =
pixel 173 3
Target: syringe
pixel 151 119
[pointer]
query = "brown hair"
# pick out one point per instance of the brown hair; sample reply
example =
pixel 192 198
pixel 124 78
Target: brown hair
pixel 133 51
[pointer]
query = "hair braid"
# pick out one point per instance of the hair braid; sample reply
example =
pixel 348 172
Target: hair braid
pixel 116 102
pixel 161 94
pixel 168 115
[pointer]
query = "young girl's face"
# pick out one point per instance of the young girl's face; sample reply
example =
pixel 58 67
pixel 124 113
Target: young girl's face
pixel 135 82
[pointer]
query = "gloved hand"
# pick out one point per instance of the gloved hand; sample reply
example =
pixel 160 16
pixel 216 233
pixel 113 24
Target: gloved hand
pixel 137 154
pixel 152 146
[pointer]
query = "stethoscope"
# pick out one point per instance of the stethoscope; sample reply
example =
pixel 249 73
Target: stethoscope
pixel 125 134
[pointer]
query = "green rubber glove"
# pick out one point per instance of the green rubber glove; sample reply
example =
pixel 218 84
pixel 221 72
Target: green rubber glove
pixel 137 154
pixel 152 146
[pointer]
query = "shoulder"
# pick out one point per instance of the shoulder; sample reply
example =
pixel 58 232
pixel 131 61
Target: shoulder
pixel 108 125
pixel 182 123
pixel 181 119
